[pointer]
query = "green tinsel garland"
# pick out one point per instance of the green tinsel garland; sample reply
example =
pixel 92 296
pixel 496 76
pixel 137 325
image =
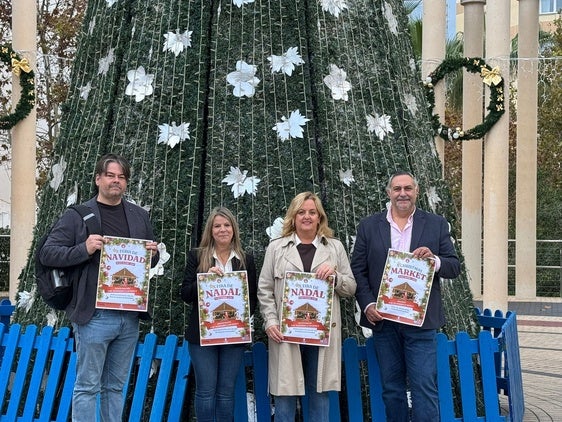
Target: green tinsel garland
pixel 490 76
pixel 27 77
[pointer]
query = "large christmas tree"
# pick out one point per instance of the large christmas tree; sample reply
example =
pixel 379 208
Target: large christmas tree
pixel 244 103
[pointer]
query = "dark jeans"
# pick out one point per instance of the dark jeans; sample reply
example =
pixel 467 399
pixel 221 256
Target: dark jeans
pixel 216 368
pixel 407 357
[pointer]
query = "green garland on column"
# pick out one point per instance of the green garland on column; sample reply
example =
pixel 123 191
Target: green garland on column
pixel 490 76
pixel 20 67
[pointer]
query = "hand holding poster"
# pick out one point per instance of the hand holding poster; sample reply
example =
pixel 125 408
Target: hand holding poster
pixel 405 288
pixel 307 309
pixel 123 281
pixel 224 308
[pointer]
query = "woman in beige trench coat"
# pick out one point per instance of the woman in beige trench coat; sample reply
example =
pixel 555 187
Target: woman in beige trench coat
pixel 307 245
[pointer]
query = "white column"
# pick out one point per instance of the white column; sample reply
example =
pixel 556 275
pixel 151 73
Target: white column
pixel 496 157
pixel 434 33
pixel 526 176
pixel 472 150
pixel 24 29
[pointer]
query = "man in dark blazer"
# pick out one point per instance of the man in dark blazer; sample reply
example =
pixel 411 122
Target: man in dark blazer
pixel 407 355
pixel 105 339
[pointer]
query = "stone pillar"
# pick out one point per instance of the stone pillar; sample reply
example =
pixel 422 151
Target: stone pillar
pixel 434 20
pixel 24 24
pixel 526 177
pixel 472 150
pixel 496 158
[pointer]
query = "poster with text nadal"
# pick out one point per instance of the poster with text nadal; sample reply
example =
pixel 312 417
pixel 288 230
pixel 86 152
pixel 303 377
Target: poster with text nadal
pixel 224 308
pixel 307 309
pixel 124 274
pixel 405 288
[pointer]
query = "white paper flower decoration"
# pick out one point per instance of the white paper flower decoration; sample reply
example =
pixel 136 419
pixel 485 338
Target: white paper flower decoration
pixel 347 177
pixel 432 198
pixel 379 124
pixel 85 90
pixel 243 79
pixel 337 83
pixel 172 135
pixel 239 3
pixel 176 42
pixel 391 19
pixel 286 63
pixel 164 257
pixel 291 127
pixel 333 6
pixel 110 2
pixel 72 196
pixel 351 243
pixel 52 318
pixel 241 183
pixel 274 231
pixel 140 83
pixel 26 299
pixel 91 26
pixel 411 103
pixel 105 62
pixel 58 174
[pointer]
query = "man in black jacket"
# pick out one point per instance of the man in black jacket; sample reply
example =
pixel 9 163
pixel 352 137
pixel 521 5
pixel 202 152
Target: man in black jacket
pixel 407 355
pixel 105 339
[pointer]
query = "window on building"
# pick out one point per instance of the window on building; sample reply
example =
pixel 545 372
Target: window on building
pixel 550 6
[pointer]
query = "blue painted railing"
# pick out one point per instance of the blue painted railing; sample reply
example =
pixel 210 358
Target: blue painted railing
pixel 37 375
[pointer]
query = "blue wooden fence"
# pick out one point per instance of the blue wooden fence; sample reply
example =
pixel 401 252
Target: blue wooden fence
pixel 37 374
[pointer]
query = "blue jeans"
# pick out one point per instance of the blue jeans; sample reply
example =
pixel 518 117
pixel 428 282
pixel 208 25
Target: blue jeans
pixel 318 403
pixel 104 346
pixel 407 358
pixel 216 368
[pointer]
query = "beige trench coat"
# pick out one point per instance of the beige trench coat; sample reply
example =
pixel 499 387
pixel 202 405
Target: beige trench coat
pixel 285 367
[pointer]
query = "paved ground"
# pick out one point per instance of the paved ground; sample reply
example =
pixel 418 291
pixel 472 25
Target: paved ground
pixel 540 344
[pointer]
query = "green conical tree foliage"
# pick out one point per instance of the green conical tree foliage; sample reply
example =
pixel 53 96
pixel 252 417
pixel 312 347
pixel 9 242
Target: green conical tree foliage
pixel 352 141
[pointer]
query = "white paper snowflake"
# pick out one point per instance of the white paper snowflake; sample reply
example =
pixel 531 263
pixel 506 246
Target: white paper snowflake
pixel 274 231
pixel 52 318
pixel 291 127
pixel 243 79
pixel 239 3
pixel 380 125
pixel 72 196
pixel 140 83
pixel 85 90
pixel 105 62
pixel 333 6
pixel 411 103
pixel 391 19
pixel 432 198
pixel 26 299
pixel 164 257
pixel 241 183
pixel 337 83
pixel 176 42
pixel 110 2
pixel 57 172
pixel 172 135
pixel 286 62
pixel 347 177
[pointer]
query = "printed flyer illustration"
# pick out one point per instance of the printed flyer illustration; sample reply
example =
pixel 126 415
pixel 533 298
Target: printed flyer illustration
pixel 224 308
pixel 405 288
pixel 124 281
pixel 307 309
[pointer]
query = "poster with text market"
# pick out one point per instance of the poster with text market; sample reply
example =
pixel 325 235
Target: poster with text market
pixel 124 274
pixel 224 308
pixel 405 288
pixel 307 309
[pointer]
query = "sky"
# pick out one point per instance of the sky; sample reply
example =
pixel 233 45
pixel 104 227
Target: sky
pixel 451 24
